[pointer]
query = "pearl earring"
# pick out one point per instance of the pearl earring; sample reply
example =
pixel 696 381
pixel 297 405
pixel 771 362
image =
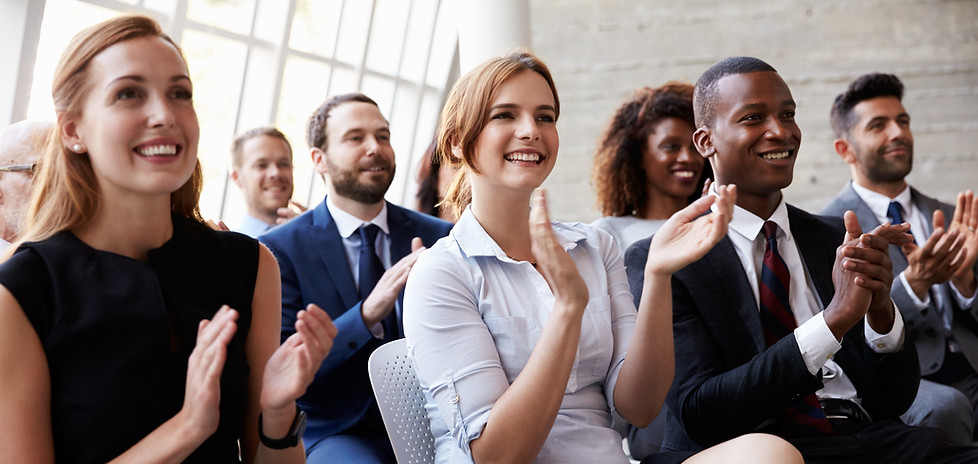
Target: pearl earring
pixel 77 148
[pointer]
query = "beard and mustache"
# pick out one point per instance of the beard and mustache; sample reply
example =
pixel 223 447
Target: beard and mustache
pixel 881 170
pixel 347 183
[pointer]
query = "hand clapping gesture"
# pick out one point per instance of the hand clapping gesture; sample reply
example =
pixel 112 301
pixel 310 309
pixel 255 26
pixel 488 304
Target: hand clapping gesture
pixel 294 364
pixel 552 260
pixel 965 221
pixel 688 235
pixel 862 275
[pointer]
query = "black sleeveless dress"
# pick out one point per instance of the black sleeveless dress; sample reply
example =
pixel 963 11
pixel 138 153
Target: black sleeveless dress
pixel 118 332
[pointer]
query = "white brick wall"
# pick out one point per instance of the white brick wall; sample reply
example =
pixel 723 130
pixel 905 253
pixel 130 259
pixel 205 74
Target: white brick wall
pixel 600 51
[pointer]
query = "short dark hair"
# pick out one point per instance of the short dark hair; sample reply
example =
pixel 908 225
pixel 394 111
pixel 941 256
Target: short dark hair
pixel 705 95
pixel 237 145
pixel 316 127
pixel 865 87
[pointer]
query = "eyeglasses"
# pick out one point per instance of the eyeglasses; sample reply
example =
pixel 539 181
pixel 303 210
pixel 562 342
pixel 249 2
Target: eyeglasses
pixel 30 168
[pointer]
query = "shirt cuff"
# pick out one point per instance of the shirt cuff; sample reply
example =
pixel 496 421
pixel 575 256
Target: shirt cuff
pixel 963 301
pixel 917 302
pixel 377 330
pixel 816 342
pixel 886 343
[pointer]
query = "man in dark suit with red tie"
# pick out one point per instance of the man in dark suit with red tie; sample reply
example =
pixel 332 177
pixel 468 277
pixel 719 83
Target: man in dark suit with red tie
pixel 786 326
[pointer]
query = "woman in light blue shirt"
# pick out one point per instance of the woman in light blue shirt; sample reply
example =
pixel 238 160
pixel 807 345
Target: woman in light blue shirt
pixel 519 327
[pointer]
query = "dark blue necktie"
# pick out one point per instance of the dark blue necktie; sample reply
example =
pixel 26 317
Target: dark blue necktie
pixel 804 416
pixel 370 266
pixel 371 269
pixel 895 213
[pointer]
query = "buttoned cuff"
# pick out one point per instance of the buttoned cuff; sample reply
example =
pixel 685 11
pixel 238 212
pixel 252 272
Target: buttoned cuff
pixel 816 342
pixel 888 343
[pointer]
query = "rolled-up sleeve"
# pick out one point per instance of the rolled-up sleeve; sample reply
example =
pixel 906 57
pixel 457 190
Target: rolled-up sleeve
pixel 452 348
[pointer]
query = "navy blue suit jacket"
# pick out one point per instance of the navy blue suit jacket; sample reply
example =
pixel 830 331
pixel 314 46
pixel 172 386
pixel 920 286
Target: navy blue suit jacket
pixel 314 269
pixel 728 383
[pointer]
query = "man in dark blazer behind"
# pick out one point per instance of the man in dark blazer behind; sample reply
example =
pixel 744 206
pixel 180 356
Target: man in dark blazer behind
pixel 319 256
pixel 934 287
pixel 730 380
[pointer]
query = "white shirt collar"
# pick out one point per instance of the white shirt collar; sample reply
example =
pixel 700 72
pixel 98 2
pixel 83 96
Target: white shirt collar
pixel 473 240
pixel 749 225
pixel 879 203
pixel 347 224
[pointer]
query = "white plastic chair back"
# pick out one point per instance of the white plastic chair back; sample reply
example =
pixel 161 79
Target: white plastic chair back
pixel 401 402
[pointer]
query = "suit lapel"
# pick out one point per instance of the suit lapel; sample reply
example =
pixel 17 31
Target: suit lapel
pixel 817 259
pixel 731 277
pixel 868 222
pixel 326 236
pixel 402 231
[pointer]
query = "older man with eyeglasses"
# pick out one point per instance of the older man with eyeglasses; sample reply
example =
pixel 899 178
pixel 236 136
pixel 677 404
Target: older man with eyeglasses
pixel 21 146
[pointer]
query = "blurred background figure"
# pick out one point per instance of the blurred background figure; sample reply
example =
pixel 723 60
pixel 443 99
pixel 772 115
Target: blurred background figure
pixel 646 167
pixel 21 145
pixel 433 181
pixel 261 166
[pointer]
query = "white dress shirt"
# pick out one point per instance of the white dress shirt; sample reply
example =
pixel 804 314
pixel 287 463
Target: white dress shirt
pixel 815 340
pixel 348 226
pixel 920 228
pixel 472 319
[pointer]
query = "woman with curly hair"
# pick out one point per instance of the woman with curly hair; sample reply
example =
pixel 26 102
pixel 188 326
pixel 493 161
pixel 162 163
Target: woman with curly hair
pixel 646 168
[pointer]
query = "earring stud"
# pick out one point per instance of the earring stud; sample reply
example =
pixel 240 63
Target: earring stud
pixel 77 148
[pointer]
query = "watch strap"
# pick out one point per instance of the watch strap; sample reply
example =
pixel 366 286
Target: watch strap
pixel 292 438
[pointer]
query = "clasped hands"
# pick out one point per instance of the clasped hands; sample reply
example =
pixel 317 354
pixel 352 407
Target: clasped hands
pixel 862 276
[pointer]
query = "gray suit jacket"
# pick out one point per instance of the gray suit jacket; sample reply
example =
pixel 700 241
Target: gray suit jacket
pixel 925 327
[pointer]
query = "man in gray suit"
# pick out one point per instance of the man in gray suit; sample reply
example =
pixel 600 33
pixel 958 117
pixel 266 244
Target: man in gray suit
pixel 934 287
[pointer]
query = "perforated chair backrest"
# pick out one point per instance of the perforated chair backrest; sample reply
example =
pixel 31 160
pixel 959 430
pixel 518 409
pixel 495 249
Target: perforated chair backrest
pixel 401 403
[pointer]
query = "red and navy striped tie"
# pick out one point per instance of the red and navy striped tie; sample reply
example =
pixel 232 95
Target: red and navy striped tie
pixel 804 416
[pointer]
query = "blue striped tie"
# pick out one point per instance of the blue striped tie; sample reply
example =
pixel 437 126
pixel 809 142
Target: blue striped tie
pixel 804 416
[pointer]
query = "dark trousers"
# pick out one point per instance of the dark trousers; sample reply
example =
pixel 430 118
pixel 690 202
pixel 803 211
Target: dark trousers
pixel 886 442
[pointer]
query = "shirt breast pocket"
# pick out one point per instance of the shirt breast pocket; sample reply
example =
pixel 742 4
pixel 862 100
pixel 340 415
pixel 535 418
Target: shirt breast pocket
pixel 514 340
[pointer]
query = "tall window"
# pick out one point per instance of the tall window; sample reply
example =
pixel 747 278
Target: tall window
pixel 261 62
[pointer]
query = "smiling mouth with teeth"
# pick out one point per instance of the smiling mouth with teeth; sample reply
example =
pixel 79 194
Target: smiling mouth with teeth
pixel 158 150
pixel 776 156
pixel 524 157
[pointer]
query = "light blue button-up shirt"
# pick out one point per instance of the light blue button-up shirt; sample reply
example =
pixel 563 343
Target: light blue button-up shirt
pixel 472 317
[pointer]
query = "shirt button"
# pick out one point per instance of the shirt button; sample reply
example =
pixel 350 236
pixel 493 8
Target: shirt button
pixel 881 345
pixel 829 356
pixel 352 345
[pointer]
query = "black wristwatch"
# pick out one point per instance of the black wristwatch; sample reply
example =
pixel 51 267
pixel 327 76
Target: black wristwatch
pixel 292 439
